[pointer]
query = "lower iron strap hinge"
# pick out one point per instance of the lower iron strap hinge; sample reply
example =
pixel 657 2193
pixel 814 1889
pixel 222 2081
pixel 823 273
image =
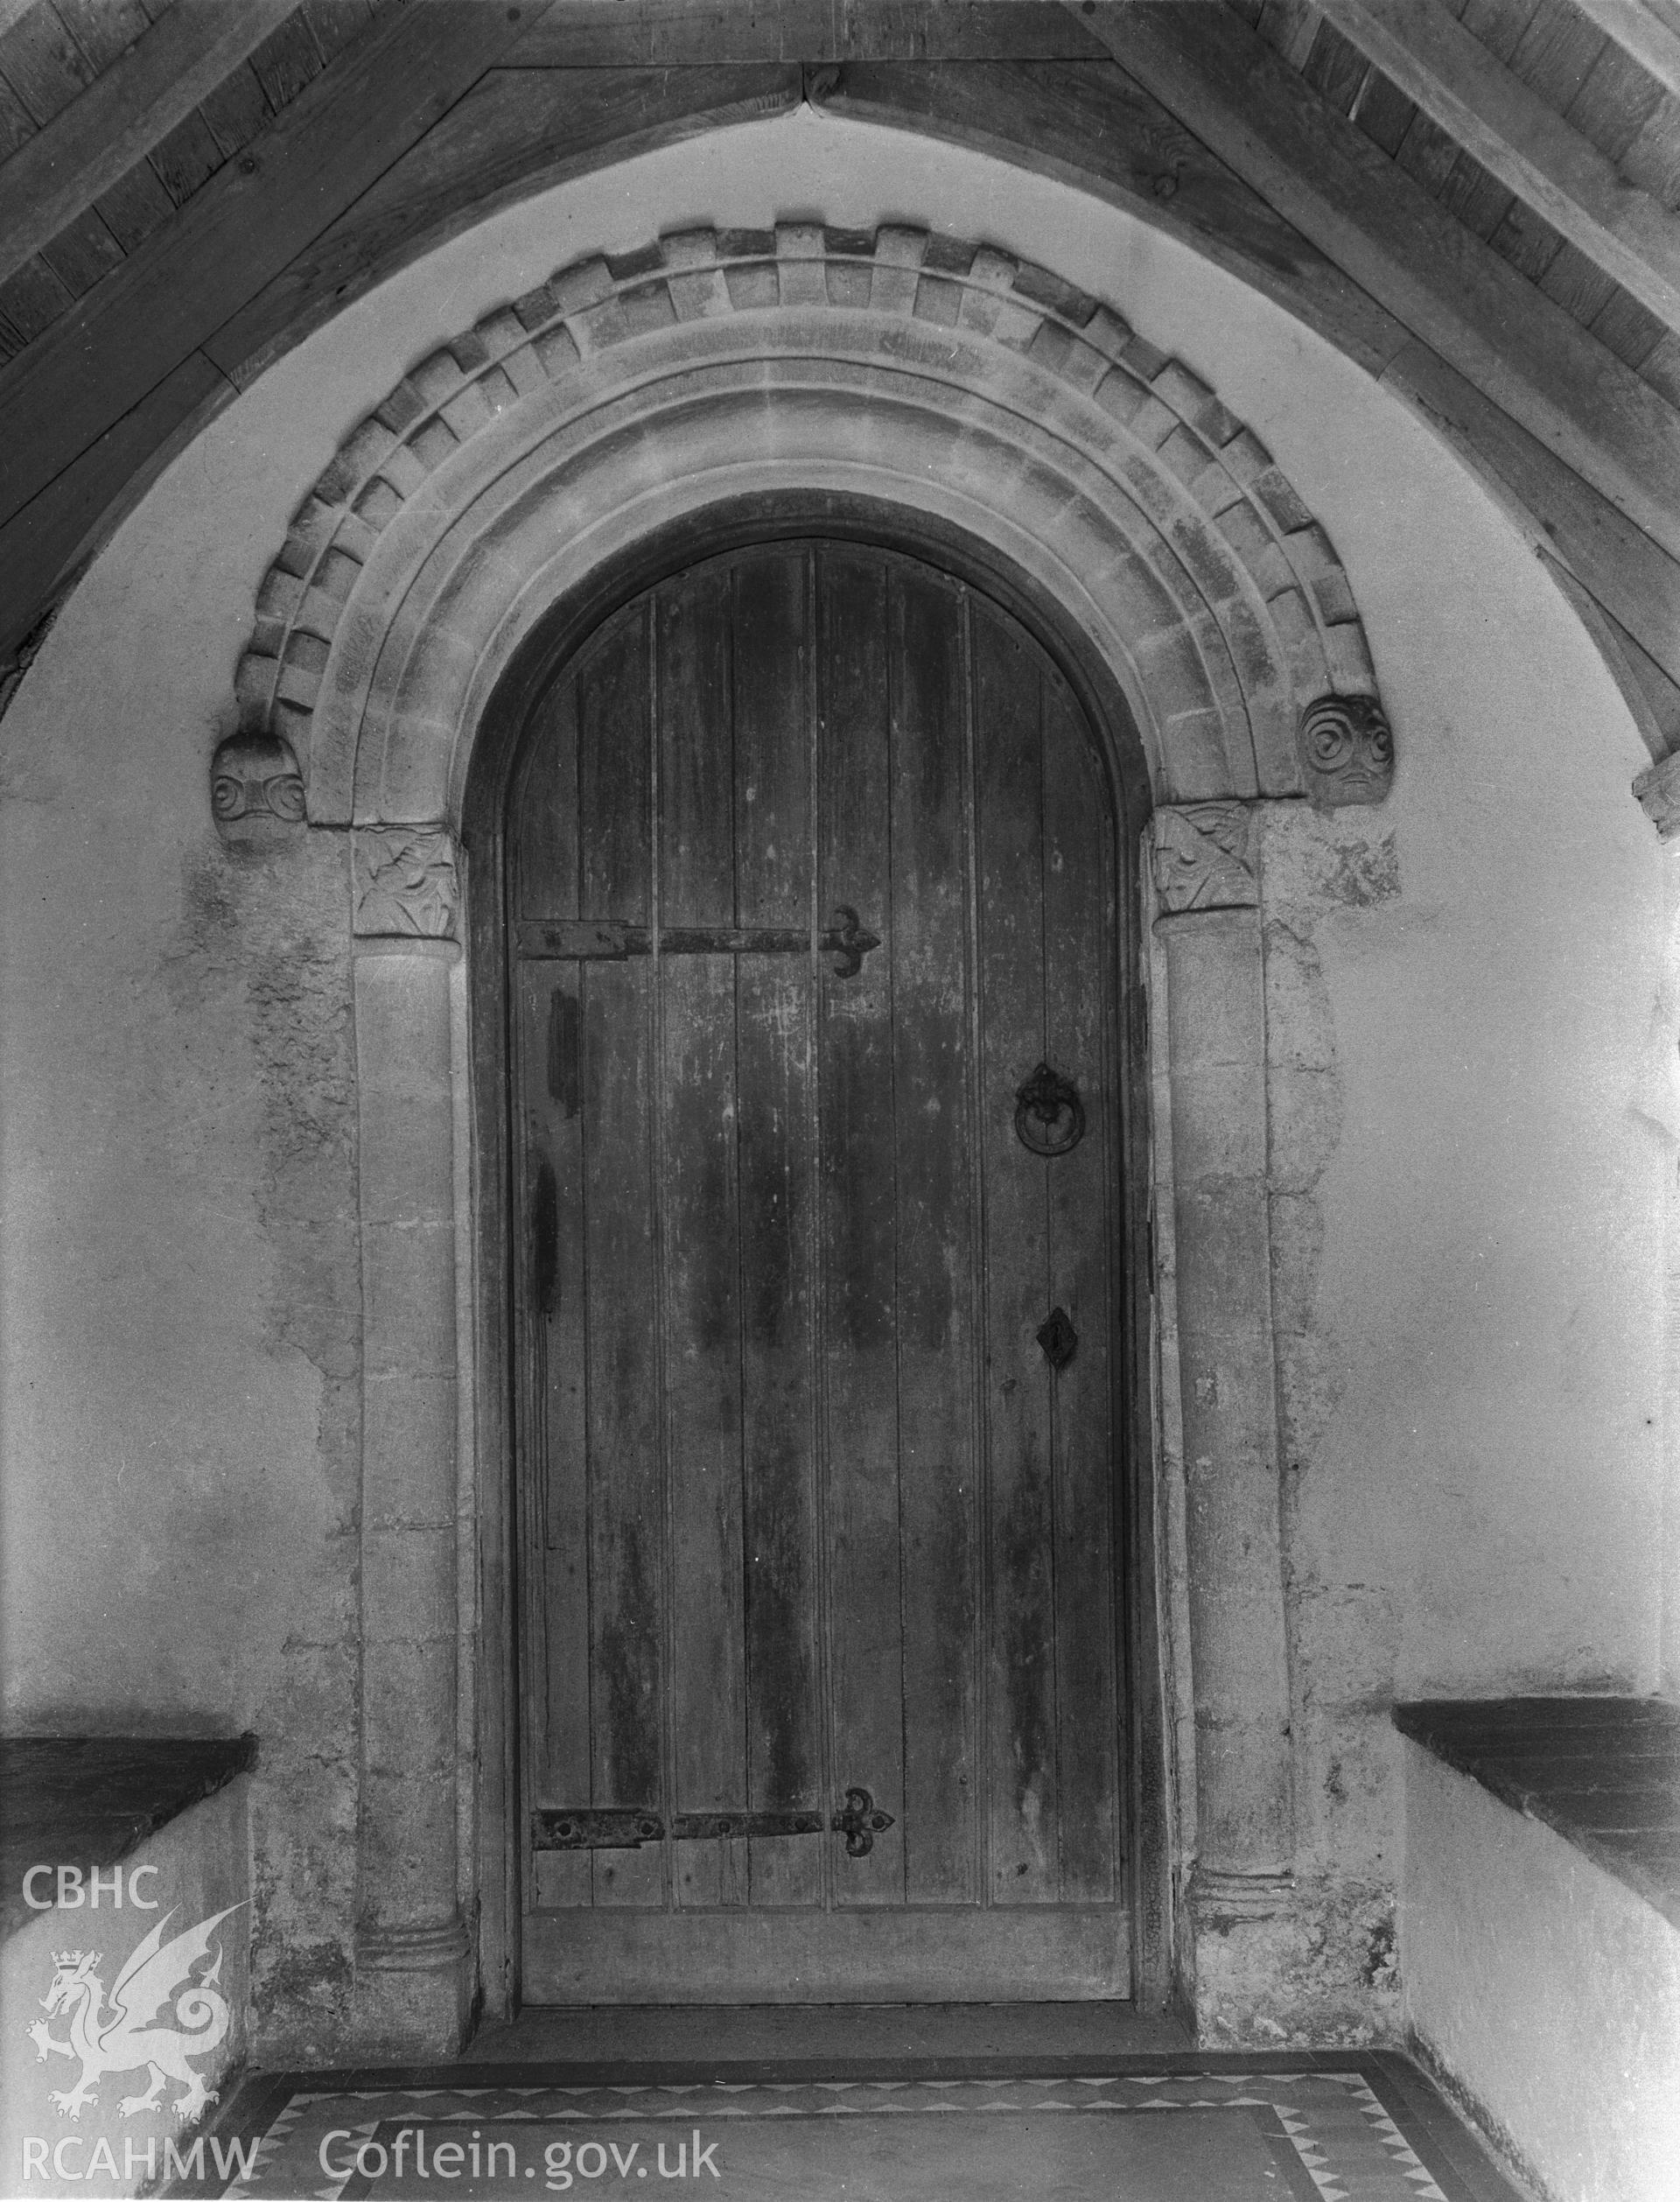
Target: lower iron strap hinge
pixel 627 1827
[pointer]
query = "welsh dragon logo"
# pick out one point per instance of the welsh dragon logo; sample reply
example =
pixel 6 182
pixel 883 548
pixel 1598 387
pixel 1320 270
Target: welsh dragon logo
pixel 121 2037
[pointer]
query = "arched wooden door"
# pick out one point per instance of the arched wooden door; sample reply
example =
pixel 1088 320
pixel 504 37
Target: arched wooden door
pixel 813 869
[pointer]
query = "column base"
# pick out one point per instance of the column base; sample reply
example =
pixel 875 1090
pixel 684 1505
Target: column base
pixel 1280 1964
pixel 1219 1897
pixel 413 1993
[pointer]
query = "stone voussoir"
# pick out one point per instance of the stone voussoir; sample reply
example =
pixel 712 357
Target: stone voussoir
pixel 594 304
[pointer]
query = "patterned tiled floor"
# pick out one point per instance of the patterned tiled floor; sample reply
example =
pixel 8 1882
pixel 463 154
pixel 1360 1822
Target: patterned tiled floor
pixel 1304 2129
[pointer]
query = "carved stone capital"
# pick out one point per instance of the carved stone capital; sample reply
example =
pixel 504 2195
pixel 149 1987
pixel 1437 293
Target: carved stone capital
pixel 1202 856
pixel 1345 747
pixel 257 791
pixel 406 884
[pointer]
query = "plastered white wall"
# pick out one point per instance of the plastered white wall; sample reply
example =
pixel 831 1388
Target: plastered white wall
pixel 1547 1990
pixel 1474 1383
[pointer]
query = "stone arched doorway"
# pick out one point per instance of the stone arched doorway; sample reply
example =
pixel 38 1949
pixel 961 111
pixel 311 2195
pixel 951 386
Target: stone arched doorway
pixel 467 536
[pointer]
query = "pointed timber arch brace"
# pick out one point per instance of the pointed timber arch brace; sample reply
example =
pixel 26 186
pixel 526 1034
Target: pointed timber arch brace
pixel 542 447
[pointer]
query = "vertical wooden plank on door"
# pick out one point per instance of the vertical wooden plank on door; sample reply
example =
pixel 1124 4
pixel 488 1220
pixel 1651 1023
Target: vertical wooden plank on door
pixel 626 1528
pixel 774 1025
pixel 545 836
pixel 855 1222
pixel 1084 1209
pixel 700 1225
pixel 1022 1795
pixel 549 1204
pixel 927 936
pixel 615 844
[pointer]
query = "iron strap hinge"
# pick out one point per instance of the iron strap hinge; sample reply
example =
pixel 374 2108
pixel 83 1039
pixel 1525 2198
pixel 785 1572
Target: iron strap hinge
pixel 627 1827
pixel 847 939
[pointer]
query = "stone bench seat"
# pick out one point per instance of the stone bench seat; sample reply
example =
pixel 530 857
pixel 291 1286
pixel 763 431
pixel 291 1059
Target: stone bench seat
pixel 1540 1930
pixel 1603 1772
pixel 151 1835
pixel 89 1800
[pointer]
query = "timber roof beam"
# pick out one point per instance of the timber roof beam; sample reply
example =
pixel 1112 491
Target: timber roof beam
pixel 1647 30
pixel 60 171
pixel 1423 48
pixel 1435 277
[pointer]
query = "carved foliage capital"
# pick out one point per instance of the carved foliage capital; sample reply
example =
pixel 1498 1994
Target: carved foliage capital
pixel 407 883
pixel 1203 858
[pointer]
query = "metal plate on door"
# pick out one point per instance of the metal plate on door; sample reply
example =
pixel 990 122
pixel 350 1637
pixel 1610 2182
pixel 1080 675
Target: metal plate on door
pixel 627 1827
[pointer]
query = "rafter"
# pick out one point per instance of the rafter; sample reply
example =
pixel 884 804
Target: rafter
pixel 1100 125
pixel 1647 30
pixel 339 201
pixel 1528 146
pixel 1384 231
pixel 58 174
pixel 375 100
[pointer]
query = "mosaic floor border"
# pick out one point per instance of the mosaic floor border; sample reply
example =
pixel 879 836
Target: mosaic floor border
pixel 1365 2127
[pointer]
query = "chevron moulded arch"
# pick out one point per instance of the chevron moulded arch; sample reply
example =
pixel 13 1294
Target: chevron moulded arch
pixel 944 377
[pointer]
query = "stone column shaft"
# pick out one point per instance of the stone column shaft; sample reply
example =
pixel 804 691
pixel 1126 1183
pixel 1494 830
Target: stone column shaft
pixel 411 1943
pixel 1210 931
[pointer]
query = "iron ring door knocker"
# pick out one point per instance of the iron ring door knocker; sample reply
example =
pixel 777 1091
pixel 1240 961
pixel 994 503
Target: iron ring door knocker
pixel 1049 1115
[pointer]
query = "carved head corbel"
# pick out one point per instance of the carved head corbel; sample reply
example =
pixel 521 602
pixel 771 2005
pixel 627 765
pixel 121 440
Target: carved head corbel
pixel 257 791
pixel 1346 748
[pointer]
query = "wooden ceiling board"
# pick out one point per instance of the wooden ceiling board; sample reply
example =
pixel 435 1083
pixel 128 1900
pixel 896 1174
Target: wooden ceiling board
pixel 1661 367
pixel 32 298
pixel 1557 52
pixel 1290 27
pixel 1498 24
pixel 235 110
pixel 1630 330
pixel 17 125
pixel 1615 100
pixel 287 60
pixel 1638 27
pixel 1449 290
pixel 1335 68
pixel 82 252
pixel 1427 153
pixel 1527 241
pixel 1383 112
pixel 378 97
pixel 1579 285
pixel 104 29
pixel 1479 201
pixel 43 64
pixel 187 157
pixel 333 24
pixel 133 207
pixel 147 92
pixel 1652 161
pixel 1509 130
